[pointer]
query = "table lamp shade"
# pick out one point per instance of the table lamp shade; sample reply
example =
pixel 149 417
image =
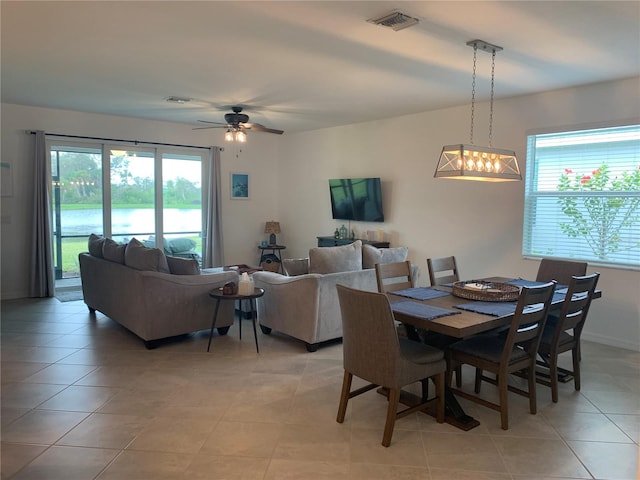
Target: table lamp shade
pixel 272 228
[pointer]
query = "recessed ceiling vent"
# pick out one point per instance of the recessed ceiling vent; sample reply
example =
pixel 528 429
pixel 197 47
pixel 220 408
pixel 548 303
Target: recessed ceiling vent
pixel 395 20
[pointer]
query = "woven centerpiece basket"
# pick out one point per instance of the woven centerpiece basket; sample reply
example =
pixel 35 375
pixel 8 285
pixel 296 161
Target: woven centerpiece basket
pixel 490 291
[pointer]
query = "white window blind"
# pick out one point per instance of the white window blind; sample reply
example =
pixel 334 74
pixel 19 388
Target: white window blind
pixel 582 196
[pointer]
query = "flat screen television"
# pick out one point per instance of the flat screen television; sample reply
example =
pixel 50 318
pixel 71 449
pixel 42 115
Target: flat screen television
pixel 358 199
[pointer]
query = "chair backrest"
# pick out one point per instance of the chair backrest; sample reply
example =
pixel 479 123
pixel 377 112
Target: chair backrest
pixel 560 270
pixel 442 270
pixel 576 305
pixel 393 276
pixel 370 346
pixel 528 320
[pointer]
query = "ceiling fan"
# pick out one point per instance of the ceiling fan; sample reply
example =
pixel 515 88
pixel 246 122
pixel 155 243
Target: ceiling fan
pixel 236 124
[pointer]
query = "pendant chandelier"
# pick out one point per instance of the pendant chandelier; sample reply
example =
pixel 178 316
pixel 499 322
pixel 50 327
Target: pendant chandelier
pixel 469 161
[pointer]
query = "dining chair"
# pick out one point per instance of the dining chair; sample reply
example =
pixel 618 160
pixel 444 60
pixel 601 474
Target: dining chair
pixel 442 270
pixel 504 354
pixel 393 276
pixel 562 334
pixel 373 352
pixel 560 270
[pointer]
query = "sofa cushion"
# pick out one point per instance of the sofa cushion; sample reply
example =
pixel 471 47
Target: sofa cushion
pixel 183 266
pixel 138 256
pixel 372 255
pixel 113 251
pixel 344 258
pixel 95 245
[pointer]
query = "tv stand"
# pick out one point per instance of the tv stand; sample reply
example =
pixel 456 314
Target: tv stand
pixel 335 242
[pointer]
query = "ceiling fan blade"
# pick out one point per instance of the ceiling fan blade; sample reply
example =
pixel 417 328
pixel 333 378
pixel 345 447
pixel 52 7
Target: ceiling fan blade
pixel 206 128
pixel 214 123
pixel 261 128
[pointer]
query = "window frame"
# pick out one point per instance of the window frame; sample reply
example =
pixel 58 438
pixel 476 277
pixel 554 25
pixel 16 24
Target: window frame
pixel 542 213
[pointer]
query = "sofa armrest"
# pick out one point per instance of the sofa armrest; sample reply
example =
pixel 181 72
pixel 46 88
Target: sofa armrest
pixel 290 304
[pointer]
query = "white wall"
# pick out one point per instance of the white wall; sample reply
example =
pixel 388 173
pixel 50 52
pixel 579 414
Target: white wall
pixel 480 223
pixel 243 220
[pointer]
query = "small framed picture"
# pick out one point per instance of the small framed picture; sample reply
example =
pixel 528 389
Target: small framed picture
pixel 240 186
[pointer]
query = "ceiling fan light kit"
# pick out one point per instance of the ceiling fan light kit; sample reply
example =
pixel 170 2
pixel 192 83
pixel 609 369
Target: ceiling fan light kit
pixel 471 162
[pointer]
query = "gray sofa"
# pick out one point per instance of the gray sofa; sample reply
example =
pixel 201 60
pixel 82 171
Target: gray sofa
pixel 306 306
pixel 134 286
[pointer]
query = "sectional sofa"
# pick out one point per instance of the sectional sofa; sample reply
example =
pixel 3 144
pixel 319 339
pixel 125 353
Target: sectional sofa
pixel 153 295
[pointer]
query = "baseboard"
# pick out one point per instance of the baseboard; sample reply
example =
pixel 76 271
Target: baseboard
pixel 612 342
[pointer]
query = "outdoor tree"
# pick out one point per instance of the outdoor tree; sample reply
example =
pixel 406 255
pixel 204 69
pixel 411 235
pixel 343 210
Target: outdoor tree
pixel 599 207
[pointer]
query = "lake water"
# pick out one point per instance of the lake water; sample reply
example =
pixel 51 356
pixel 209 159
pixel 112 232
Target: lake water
pixel 130 221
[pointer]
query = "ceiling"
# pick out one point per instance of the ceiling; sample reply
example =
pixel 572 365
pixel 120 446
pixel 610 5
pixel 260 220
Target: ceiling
pixel 305 65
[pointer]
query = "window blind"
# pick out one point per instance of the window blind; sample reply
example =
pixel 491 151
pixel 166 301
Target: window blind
pixel 582 195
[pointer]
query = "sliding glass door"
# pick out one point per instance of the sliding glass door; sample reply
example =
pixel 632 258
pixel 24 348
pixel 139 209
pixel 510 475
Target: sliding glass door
pixel 123 192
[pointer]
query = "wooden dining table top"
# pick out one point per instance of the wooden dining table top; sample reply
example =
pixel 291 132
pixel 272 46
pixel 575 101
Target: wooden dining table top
pixel 462 324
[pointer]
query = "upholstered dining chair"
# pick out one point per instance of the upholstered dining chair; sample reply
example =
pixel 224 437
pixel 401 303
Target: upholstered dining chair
pixel 442 270
pixel 562 334
pixel 560 270
pixel 504 354
pixel 393 276
pixel 373 352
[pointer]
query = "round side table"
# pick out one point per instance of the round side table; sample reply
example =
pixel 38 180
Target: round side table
pixel 219 296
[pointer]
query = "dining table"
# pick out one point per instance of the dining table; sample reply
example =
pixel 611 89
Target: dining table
pixel 438 310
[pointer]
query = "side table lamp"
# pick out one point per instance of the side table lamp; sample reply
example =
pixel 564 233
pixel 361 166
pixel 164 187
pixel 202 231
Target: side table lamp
pixel 272 228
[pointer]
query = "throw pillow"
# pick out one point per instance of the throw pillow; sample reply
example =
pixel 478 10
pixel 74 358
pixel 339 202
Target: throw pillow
pixel 183 266
pixel 140 257
pixel 336 259
pixel 95 245
pixel 113 251
pixel 179 245
pixel 295 266
pixel 372 255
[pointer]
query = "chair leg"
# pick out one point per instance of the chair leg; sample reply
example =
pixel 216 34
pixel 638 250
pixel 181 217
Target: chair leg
pixel 504 408
pixel 392 411
pixel 576 366
pixel 424 383
pixel 439 381
pixel 531 375
pixel 478 380
pixel 459 376
pixel 344 396
pixel 553 377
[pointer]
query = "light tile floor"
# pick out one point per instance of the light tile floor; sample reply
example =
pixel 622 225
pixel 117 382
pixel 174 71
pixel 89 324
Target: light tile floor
pixel 83 399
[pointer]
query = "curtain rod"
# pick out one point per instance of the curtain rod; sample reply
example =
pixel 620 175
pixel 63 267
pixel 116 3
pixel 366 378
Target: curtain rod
pixel 135 142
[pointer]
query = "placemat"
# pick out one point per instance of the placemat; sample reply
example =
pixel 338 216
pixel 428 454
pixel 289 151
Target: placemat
pixel 421 310
pixel 521 282
pixel 497 309
pixel 420 293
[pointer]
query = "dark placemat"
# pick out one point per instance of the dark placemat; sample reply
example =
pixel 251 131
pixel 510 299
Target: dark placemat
pixel 497 309
pixel 420 293
pixel 421 310
pixel 521 282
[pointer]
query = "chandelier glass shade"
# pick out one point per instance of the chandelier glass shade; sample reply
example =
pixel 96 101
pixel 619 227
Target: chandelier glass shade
pixel 472 162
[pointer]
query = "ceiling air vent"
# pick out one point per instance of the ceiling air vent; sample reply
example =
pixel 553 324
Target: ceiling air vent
pixel 395 20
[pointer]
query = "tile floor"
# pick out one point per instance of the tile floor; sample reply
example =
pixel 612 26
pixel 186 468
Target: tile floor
pixel 83 399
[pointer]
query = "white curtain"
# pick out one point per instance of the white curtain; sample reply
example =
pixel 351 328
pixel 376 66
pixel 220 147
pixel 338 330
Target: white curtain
pixel 212 248
pixel 41 274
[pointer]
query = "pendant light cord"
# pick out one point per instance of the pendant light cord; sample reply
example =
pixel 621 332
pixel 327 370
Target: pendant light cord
pixel 473 92
pixel 493 71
